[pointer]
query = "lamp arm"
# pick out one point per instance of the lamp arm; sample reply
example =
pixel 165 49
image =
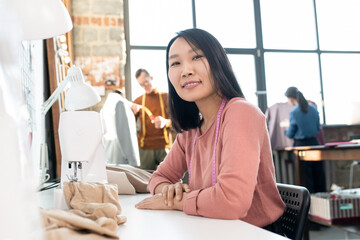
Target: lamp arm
pixel 44 158
pixel 54 96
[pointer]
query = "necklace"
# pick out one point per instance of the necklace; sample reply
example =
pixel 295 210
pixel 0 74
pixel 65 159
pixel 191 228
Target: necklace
pixel 213 176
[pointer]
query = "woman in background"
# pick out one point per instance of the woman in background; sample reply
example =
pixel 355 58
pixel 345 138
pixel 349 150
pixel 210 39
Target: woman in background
pixel 303 127
pixel 223 142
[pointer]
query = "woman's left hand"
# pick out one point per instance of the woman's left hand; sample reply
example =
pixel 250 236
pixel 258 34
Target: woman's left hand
pixel 156 202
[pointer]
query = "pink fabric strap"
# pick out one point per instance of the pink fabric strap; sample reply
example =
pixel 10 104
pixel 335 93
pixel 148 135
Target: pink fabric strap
pixel 213 176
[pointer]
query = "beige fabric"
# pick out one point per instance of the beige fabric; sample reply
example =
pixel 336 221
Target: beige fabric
pixel 94 214
pixel 93 200
pixel 60 224
pixel 139 178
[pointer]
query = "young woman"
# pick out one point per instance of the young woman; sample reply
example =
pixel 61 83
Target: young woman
pixel 223 142
pixel 303 127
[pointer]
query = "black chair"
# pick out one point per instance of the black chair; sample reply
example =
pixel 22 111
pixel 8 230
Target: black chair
pixel 297 200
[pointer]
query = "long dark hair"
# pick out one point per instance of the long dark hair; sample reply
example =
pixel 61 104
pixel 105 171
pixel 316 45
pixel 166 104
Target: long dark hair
pixel 293 92
pixel 185 115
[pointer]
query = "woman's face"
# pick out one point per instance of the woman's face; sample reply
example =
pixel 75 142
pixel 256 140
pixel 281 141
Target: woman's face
pixel 189 72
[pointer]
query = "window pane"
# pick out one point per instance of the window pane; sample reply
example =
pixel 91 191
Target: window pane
pixel 301 70
pixel 244 69
pixel 288 24
pixel 154 62
pixel 339 24
pixel 341 74
pixel 212 16
pixel 155 22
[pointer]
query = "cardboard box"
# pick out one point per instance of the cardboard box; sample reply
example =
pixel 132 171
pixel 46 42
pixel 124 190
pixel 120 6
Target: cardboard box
pixel 335 209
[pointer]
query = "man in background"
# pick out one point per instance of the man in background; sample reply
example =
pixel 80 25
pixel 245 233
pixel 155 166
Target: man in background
pixel 151 112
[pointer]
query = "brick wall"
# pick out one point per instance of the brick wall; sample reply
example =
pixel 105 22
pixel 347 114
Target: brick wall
pixel 99 43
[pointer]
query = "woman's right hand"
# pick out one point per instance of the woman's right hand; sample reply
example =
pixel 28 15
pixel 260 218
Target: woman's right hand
pixel 171 192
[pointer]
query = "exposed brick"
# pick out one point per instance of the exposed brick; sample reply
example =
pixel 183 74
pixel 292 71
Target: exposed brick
pixel 90 34
pixel 120 22
pixel 107 50
pixel 77 36
pixel 107 7
pixel 112 21
pixel 106 21
pixel 82 50
pixel 116 34
pixel 103 35
pixel 93 20
pixel 80 6
pixel 86 20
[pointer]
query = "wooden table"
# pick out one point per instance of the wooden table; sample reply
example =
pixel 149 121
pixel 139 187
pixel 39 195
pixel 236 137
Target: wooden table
pixel 325 153
pixel 322 153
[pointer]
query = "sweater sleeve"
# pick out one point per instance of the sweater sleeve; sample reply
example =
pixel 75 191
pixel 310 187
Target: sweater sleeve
pixel 241 138
pixel 290 132
pixel 173 167
pixel 318 126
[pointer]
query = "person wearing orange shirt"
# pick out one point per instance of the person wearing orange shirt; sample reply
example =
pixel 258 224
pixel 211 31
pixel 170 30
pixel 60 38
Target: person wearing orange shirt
pixel 151 111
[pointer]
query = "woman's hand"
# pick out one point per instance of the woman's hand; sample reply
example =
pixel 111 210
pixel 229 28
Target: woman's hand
pixel 167 196
pixel 156 202
pixel 172 192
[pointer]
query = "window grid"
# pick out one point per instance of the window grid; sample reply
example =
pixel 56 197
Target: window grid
pixel 257 52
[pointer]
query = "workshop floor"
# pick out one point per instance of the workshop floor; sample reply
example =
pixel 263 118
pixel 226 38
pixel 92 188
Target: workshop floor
pixel 327 233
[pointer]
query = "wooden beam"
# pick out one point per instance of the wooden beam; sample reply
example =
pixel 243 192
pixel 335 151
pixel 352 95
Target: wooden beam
pixel 55 108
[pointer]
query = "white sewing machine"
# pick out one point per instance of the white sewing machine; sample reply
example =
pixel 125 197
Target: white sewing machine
pixel 83 156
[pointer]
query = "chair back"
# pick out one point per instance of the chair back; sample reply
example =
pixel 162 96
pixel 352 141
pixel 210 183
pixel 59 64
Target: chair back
pixel 297 200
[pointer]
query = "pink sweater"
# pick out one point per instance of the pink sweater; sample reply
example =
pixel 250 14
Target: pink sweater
pixel 245 183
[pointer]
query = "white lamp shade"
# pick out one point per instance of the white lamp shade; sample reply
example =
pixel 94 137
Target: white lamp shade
pixel 41 19
pixel 80 96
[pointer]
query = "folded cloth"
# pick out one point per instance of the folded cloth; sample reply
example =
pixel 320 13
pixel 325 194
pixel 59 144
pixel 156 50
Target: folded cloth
pixel 121 180
pixel 93 200
pixel 139 178
pixel 60 224
pixel 95 213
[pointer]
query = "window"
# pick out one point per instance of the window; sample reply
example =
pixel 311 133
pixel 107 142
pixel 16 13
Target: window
pixel 154 22
pixel 284 70
pixel 339 22
pixel 244 69
pixel 212 17
pixel 154 62
pixel 341 75
pixel 271 44
pixel 288 24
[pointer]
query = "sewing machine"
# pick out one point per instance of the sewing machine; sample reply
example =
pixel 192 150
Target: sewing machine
pixel 83 156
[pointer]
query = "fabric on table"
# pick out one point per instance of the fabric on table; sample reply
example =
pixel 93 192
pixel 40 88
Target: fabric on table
pixel 94 214
pixel 60 224
pixel 93 200
pixel 139 178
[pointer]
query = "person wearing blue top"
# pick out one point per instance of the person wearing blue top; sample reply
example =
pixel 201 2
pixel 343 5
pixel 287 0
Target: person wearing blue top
pixel 304 125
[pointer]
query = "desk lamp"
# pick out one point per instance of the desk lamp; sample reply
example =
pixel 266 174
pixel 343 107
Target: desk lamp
pixel 41 19
pixel 79 96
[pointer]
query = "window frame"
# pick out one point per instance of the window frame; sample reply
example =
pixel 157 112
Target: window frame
pixel 257 52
